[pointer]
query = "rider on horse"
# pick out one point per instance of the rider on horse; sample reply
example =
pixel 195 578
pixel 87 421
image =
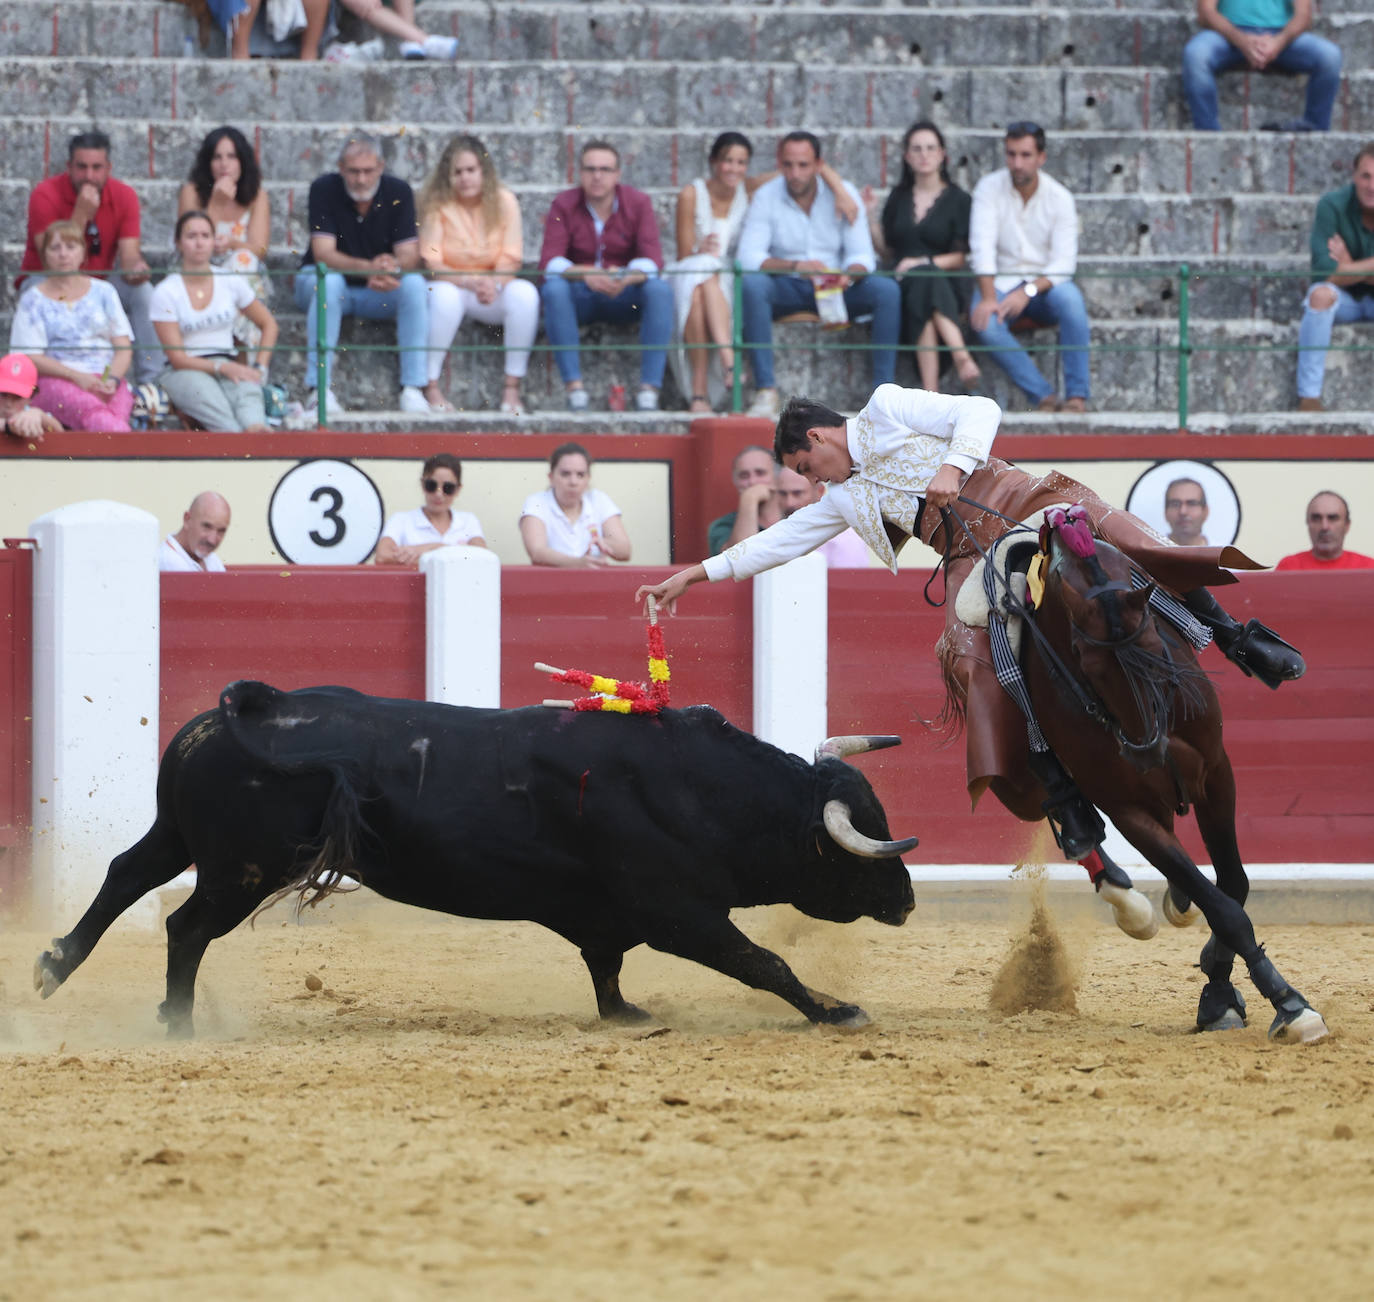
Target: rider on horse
pixel 898 470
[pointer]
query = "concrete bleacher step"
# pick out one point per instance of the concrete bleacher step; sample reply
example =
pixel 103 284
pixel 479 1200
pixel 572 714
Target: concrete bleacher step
pixel 676 33
pixel 554 94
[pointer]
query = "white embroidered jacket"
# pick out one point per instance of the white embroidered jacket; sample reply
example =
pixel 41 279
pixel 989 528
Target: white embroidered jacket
pixel 898 443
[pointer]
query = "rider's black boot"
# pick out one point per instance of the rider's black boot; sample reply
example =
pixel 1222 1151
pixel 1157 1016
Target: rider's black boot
pixel 1256 648
pixel 1077 826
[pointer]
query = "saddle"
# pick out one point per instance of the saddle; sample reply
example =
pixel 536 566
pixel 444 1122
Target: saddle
pixel 1013 559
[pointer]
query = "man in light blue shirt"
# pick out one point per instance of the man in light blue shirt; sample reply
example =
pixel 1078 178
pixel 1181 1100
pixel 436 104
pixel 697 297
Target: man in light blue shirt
pixel 1265 36
pixel 792 228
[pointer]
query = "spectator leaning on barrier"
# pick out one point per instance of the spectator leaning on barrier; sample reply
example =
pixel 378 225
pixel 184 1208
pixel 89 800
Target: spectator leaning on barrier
pixel 793 227
pixel 191 550
pixel 18 379
pixel 108 214
pixel 751 473
pixel 409 534
pixel 571 524
pixel 601 260
pixel 362 229
pixel 1343 254
pixel 1023 248
pixel 1328 521
pixel 1265 36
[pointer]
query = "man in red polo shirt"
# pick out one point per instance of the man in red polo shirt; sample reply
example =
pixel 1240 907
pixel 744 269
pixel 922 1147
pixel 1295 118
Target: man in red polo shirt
pixel 107 210
pixel 1328 521
pixel 601 258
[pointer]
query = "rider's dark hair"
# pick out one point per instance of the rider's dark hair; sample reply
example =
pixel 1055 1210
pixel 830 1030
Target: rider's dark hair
pixel 799 416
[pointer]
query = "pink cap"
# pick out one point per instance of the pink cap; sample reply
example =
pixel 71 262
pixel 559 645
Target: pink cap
pixel 18 375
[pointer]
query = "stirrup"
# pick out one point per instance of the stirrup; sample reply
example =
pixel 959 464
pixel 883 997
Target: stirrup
pixel 1261 653
pixel 1077 826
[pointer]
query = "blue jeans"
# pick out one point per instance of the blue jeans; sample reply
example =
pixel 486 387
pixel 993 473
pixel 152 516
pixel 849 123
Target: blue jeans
pixel 408 306
pixel 1209 53
pixel 766 297
pixel 1061 305
pixel 569 304
pixel 1314 334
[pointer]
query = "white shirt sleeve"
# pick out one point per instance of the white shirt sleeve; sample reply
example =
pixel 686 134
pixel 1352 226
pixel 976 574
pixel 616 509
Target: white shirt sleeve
pixel 982 229
pixel 27 332
pixel 969 423
pixel 855 240
pixel 757 236
pixel 801 532
pixel 1063 258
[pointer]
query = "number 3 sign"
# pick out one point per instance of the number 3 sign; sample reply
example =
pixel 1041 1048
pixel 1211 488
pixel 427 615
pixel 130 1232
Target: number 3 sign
pixel 325 513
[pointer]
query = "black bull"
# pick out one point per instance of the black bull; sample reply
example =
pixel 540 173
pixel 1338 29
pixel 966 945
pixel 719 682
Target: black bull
pixel 612 831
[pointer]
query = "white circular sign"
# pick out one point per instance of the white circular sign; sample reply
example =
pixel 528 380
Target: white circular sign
pixel 325 513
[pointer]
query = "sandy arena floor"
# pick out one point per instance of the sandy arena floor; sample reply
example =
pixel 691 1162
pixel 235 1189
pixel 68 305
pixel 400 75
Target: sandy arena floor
pixel 447 1117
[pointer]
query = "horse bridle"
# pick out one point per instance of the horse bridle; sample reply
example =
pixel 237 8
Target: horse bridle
pixel 1088 701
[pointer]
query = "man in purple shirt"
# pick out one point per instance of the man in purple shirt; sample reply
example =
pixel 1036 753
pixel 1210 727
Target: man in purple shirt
pixel 601 259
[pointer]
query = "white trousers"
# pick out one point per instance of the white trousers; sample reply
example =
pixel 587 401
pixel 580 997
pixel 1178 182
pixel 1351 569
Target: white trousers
pixel 516 309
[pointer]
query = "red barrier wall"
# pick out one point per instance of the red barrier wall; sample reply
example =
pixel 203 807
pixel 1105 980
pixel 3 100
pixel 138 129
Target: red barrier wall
pixel 16 725
pixel 1303 755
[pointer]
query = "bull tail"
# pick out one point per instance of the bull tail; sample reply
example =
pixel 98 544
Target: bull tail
pixel 330 864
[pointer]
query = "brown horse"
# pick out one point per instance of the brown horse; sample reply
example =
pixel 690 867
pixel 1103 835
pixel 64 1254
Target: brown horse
pixel 1121 699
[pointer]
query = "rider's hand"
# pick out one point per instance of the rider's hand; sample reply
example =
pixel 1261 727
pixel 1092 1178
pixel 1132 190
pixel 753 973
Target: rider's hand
pixel 943 490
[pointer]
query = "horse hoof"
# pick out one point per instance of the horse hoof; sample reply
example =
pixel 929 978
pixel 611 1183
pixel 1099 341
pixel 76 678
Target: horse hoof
pixel 1230 1020
pixel 45 980
pixel 1180 917
pixel 1302 1027
pixel 1135 915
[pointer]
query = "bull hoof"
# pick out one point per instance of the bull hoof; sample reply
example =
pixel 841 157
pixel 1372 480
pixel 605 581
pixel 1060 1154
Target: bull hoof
pixel 1301 1027
pixel 1221 1007
pixel 1186 914
pixel 46 978
pixel 1134 914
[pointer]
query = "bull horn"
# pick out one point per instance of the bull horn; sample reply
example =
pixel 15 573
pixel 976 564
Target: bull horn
pixel 848 837
pixel 843 747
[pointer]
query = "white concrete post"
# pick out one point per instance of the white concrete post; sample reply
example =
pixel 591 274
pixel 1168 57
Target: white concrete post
pixel 462 626
pixel 791 655
pixel 96 616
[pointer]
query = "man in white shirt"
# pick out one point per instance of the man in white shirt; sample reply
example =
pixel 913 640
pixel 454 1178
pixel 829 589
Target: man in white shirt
pixel 1023 249
pixel 191 550
pixel 792 227
pixel 909 449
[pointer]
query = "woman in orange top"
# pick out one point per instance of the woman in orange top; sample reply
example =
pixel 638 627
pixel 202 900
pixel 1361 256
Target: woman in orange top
pixel 472 245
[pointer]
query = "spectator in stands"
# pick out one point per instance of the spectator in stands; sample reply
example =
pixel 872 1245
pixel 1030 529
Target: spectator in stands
pixel 362 229
pixel 225 183
pixel 74 329
pixel 710 216
pixel 1328 521
pixel 601 261
pixel 317 26
pixel 1343 255
pixel 1186 510
pixel 194 313
pixel 106 211
pixel 571 524
pixel 471 243
pixel 844 551
pixel 793 227
pixel 398 22
pixel 751 473
pixel 1265 36
pixel 409 534
pixel 1023 248
pixel 924 232
pixel 18 380
pixel 191 550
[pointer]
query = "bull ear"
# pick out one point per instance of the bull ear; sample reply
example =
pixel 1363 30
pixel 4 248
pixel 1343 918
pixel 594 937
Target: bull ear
pixel 848 837
pixel 843 747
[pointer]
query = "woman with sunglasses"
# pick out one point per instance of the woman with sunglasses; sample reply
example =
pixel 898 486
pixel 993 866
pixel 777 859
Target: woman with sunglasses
pixel 409 534
pixel 73 328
